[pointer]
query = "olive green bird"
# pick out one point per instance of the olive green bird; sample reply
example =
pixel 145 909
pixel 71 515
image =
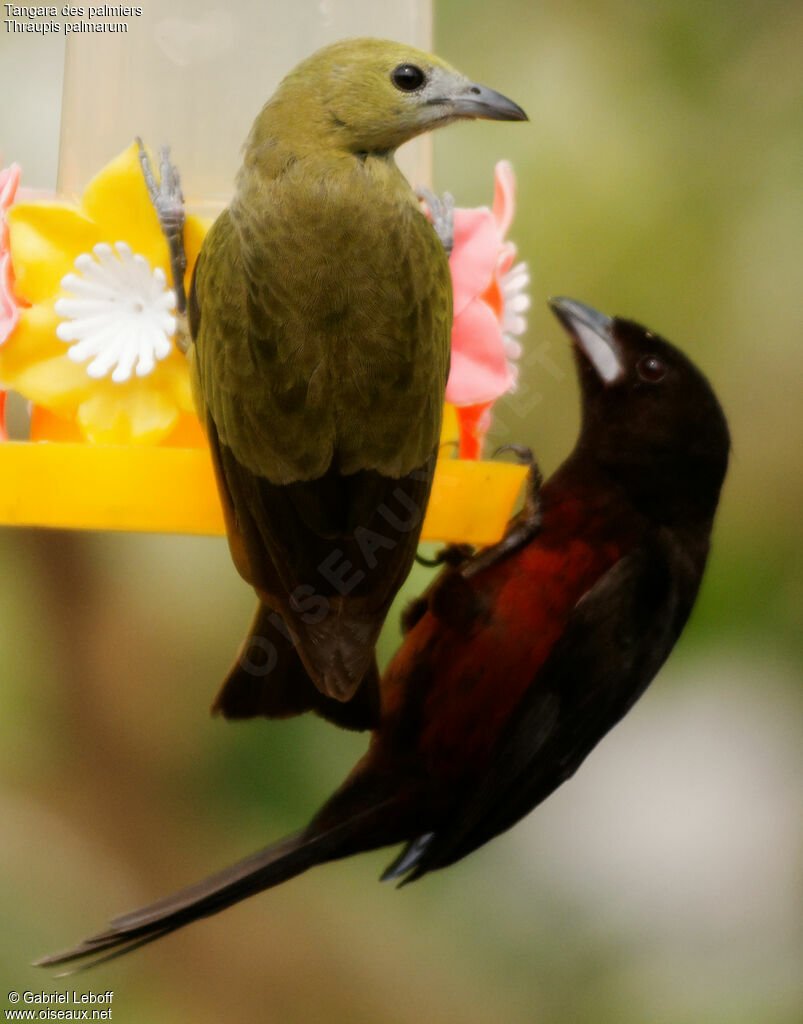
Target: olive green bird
pixel 321 315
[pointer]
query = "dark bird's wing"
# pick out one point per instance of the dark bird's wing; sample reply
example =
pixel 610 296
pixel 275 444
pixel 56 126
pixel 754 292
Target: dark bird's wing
pixel 617 638
pixel 327 555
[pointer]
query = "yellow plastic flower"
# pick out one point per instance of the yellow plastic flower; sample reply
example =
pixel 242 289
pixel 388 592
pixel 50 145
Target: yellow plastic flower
pixel 94 345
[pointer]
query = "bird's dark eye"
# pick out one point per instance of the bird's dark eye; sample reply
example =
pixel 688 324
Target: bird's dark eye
pixel 651 368
pixel 408 77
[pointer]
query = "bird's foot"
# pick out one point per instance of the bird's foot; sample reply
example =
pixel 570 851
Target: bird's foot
pixel 524 526
pixel 450 598
pixel 168 201
pixel 531 515
pixel 442 213
pixel 452 554
pixel 521 451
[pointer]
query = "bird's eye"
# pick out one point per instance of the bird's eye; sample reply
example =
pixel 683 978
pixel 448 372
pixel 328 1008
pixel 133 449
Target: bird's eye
pixel 651 368
pixel 408 77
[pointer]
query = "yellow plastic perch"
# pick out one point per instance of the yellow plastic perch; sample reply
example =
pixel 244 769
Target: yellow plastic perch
pixel 172 490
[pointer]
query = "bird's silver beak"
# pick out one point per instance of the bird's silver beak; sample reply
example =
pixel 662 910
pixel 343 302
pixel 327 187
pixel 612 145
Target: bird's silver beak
pixel 593 334
pixel 478 101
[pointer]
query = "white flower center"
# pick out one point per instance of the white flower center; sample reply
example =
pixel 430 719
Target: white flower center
pixel 120 315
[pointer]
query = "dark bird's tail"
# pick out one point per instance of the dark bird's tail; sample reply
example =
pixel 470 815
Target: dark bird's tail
pixel 270 679
pixel 263 870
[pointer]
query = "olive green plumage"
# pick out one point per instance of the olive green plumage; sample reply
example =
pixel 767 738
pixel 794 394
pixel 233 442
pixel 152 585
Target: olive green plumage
pixel 321 314
pixel 337 298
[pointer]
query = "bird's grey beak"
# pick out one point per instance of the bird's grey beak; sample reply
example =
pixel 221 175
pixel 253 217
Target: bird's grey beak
pixel 478 101
pixel 592 332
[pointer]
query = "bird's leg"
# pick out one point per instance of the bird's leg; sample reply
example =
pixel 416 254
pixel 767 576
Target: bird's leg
pixel 442 213
pixel 452 556
pixel 451 598
pixel 168 201
pixel 523 527
pixel 531 515
pixel 414 612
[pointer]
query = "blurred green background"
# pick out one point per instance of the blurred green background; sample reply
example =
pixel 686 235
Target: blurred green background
pixel 659 178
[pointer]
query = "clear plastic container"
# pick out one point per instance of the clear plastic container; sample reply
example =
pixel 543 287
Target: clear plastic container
pixel 196 74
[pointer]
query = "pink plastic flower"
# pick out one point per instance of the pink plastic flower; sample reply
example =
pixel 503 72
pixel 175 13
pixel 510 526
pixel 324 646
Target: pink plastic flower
pixel 489 300
pixel 9 307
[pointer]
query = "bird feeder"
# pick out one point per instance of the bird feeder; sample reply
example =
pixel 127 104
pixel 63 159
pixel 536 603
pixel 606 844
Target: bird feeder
pixel 113 442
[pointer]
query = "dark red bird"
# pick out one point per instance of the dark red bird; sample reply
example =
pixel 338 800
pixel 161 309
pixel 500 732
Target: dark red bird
pixel 517 662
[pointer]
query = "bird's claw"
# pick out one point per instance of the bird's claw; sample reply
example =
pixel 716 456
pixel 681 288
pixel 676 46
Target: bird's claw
pixel 454 445
pixel 531 512
pixel 452 554
pixel 442 212
pixel 523 527
pixel 521 451
pixel 166 194
pixel 168 202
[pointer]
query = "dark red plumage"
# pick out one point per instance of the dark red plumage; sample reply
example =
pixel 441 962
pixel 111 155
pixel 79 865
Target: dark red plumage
pixel 477 674
pixel 518 661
